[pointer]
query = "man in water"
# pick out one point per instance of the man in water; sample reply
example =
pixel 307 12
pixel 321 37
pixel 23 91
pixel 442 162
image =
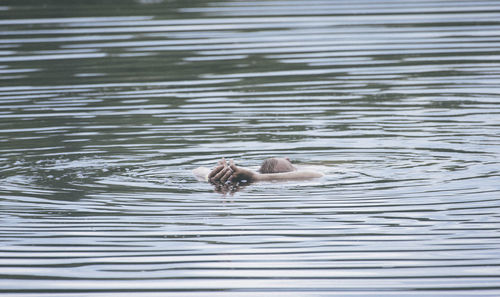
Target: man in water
pixel 272 169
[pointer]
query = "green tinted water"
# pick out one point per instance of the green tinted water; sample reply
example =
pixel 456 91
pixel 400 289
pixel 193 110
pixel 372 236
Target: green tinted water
pixel 106 107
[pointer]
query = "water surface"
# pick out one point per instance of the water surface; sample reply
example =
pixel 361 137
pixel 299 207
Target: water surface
pixel 105 108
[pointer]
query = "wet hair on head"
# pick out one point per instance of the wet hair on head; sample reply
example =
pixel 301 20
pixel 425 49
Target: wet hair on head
pixel 276 165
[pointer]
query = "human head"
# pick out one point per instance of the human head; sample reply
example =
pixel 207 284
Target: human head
pixel 276 165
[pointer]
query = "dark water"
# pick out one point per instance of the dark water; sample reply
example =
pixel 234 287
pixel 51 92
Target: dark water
pixel 107 106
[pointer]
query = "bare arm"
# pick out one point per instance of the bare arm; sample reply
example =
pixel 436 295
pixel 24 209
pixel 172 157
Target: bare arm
pixel 294 175
pixel 242 174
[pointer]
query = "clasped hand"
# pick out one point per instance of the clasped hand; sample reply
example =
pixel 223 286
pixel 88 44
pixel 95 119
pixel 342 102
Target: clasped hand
pixel 228 173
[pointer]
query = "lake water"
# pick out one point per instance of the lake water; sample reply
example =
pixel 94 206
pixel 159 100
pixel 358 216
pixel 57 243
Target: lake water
pixel 107 106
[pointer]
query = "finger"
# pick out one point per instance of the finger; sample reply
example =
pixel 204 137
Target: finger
pixel 232 166
pixel 220 174
pixel 215 171
pixel 226 175
pixel 222 161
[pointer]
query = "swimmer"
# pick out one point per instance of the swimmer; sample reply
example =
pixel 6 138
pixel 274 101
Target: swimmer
pixel 272 169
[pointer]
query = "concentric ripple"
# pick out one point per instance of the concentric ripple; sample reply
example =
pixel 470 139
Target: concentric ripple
pixel 105 108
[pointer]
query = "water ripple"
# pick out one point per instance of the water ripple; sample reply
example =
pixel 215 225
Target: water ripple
pixel 104 112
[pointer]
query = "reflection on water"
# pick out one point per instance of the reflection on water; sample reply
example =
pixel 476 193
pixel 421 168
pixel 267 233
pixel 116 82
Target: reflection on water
pixel 105 108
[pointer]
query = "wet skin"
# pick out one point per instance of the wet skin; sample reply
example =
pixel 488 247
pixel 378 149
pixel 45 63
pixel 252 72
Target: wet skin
pixel 226 172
